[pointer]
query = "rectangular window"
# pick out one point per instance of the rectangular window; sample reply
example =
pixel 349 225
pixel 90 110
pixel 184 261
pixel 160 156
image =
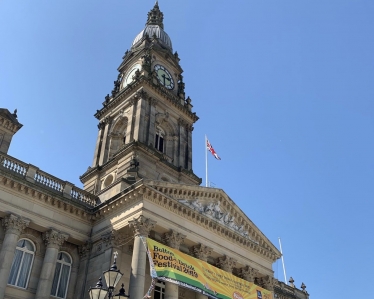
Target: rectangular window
pixel 159 292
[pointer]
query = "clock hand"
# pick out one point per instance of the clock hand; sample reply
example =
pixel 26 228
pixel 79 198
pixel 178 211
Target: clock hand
pixel 163 76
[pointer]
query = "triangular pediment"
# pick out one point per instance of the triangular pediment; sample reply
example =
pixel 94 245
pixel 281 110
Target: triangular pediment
pixel 215 205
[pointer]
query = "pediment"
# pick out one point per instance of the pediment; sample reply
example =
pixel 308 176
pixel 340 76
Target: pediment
pixel 216 205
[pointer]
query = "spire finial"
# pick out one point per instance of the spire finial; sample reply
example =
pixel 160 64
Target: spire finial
pixel 155 16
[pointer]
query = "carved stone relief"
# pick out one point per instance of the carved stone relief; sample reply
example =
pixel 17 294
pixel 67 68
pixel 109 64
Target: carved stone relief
pixel 214 211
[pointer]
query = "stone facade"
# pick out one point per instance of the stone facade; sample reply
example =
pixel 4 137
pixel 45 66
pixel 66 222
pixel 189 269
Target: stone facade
pixel 56 239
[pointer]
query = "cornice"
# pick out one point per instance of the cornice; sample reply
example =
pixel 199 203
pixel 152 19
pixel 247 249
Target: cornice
pixel 32 191
pixel 209 224
pixel 9 125
pixel 135 87
pixel 136 145
pixel 145 191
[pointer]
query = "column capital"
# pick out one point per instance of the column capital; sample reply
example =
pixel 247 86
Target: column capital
pixel 173 239
pixel 248 273
pixel 201 251
pixel 226 263
pixel 15 224
pixel 268 282
pixel 54 238
pixel 142 226
pixel 112 238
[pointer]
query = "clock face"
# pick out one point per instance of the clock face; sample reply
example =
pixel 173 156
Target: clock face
pixel 164 76
pixel 131 74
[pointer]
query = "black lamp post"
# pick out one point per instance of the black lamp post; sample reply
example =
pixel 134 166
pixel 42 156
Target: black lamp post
pixel 112 277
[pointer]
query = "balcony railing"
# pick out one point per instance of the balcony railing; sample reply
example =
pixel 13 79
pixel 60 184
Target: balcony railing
pixel 45 180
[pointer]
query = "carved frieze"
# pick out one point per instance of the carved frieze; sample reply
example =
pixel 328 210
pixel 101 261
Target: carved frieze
pixel 54 238
pixel 214 211
pixel 142 226
pixel 173 239
pixel 15 224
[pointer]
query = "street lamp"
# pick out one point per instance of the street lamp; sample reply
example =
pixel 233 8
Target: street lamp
pixel 112 277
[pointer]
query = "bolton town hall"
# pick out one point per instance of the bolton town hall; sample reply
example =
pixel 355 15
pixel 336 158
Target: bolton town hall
pixel 142 226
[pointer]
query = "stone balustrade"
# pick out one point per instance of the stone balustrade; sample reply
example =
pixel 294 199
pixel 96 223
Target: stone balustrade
pixel 43 179
pixel 49 181
pixel 13 165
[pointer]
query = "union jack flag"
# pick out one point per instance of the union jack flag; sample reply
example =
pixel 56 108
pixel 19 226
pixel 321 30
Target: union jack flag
pixel 211 149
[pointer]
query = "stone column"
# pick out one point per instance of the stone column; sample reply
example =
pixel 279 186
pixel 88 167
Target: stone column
pixel 201 252
pixel 172 239
pixel 226 263
pixel 112 242
pixel 13 226
pixel 142 227
pixel 84 253
pixel 150 135
pixel 101 127
pixel 182 142
pixel 139 123
pixel 53 240
pixel 248 273
pixel 189 138
pixel 104 142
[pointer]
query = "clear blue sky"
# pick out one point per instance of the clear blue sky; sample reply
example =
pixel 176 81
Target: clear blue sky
pixel 284 91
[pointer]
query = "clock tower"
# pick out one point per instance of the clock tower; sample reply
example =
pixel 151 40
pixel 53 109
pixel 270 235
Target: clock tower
pixel 146 123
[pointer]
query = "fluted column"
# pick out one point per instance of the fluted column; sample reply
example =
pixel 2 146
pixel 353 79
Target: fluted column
pixel 226 263
pixel 201 252
pixel 172 239
pixel 142 227
pixel 53 240
pixel 14 226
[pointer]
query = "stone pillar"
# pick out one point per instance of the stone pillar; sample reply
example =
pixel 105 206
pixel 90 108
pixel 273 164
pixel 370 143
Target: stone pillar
pixel 132 117
pixel 172 239
pixel 101 127
pixel 13 226
pixel 201 252
pixel 104 142
pixel 189 138
pixel 112 241
pixel 248 273
pixel 53 240
pixel 182 142
pixel 226 263
pixel 150 138
pixel 142 227
pixel 139 123
pixel 84 253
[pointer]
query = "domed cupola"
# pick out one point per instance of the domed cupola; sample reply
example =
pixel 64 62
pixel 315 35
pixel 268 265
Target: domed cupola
pixel 154 27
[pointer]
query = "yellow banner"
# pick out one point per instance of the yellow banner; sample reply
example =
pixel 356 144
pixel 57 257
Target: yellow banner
pixel 174 266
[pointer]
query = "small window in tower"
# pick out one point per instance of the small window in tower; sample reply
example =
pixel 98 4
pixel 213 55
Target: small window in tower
pixel 159 140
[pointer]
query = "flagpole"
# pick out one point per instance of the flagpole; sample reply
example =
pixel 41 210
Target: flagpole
pixel 284 268
pixel 206 163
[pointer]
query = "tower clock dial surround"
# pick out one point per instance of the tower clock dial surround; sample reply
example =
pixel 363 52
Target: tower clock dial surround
pixel 130 74
pixel 164 76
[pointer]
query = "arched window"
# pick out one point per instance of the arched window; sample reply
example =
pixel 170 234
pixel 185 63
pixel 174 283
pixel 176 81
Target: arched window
pixel 62 274
pixel 22 263
pixel 159 142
